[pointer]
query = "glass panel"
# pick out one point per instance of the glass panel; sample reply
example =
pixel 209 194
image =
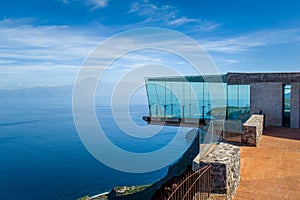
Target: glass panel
pixel 232 102
pixel 216 107
pixel 177 98
pixel 287 106
pixel 193 100
pixel 161 94
pixel 232 98
pixel 152 97
pixel 186 99
pixel 196 99
pixel 238 102
pixel 244 103
pixel 244 94
pixel 207 101
pixel 201 99
pixel 169 99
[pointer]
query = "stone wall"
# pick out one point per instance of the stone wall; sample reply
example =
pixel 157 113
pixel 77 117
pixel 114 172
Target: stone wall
pixel 225 169
pixel 248 78
pixel 253 130
pixel 267 97
pixel 295 105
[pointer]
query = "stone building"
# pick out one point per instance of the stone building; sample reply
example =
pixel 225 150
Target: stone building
pixel 277 95
pixel 191 98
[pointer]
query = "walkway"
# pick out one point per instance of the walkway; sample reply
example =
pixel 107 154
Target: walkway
pixel 271 170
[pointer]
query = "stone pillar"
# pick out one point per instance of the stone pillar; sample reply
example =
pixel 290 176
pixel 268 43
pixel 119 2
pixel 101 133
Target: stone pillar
pixel 225 169
pixel 295 105
pixel 252 130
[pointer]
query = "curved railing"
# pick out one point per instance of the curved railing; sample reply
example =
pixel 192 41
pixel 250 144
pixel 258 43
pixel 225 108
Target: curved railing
pixel 195 186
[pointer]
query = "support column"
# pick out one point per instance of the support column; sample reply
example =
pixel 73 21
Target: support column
pixel 295 105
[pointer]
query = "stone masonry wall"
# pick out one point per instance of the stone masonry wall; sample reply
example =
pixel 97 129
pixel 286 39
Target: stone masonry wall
pixel 225 169
pixel 253 130
pixel 267 97
pixel 248 78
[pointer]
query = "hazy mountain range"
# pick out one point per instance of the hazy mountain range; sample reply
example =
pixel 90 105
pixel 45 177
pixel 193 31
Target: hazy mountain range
pixel 104 92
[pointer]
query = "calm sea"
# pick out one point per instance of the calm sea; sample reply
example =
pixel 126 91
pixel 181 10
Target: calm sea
pixel 42 157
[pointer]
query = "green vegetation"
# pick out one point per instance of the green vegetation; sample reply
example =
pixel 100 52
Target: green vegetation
pixel 84 198
pixel 102 197
pixel 126 190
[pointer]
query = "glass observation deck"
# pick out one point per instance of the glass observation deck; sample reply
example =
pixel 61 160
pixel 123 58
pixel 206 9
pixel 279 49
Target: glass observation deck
pixel 195 100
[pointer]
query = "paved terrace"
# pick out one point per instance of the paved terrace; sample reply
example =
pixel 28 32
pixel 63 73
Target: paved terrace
pixel 271 170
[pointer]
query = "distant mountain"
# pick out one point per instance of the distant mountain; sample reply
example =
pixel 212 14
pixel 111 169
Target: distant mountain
pixel 104 89
pixel 49 92
pixel 38 92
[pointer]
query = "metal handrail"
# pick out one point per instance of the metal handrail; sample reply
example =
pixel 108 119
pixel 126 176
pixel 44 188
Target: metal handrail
pixel 183 190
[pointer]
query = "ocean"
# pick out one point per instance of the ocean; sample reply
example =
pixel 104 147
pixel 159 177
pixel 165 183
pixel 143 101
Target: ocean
pixel 42 156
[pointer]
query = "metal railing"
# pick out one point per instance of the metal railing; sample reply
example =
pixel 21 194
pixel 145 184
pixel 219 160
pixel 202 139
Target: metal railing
pixel 195 186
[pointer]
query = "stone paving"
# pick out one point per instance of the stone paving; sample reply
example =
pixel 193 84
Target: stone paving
pixel 272 169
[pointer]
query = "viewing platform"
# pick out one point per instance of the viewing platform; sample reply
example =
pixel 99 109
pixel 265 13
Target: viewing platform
pixel 176 121
pixel 272 169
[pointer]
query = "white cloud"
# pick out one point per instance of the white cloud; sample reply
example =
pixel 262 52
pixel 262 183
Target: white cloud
pixel 182 20
pixel 6 61
pixel 95 4
pixel 44 52
pixel 168 16
pixel 39 43
pixel 247 41
pixel 139 57
pixel 231 61
pixel 153 12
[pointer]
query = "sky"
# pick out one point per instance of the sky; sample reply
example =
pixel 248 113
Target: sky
pixel 44 43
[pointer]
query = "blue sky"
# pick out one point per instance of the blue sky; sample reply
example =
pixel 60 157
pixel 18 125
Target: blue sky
pixel 44 43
